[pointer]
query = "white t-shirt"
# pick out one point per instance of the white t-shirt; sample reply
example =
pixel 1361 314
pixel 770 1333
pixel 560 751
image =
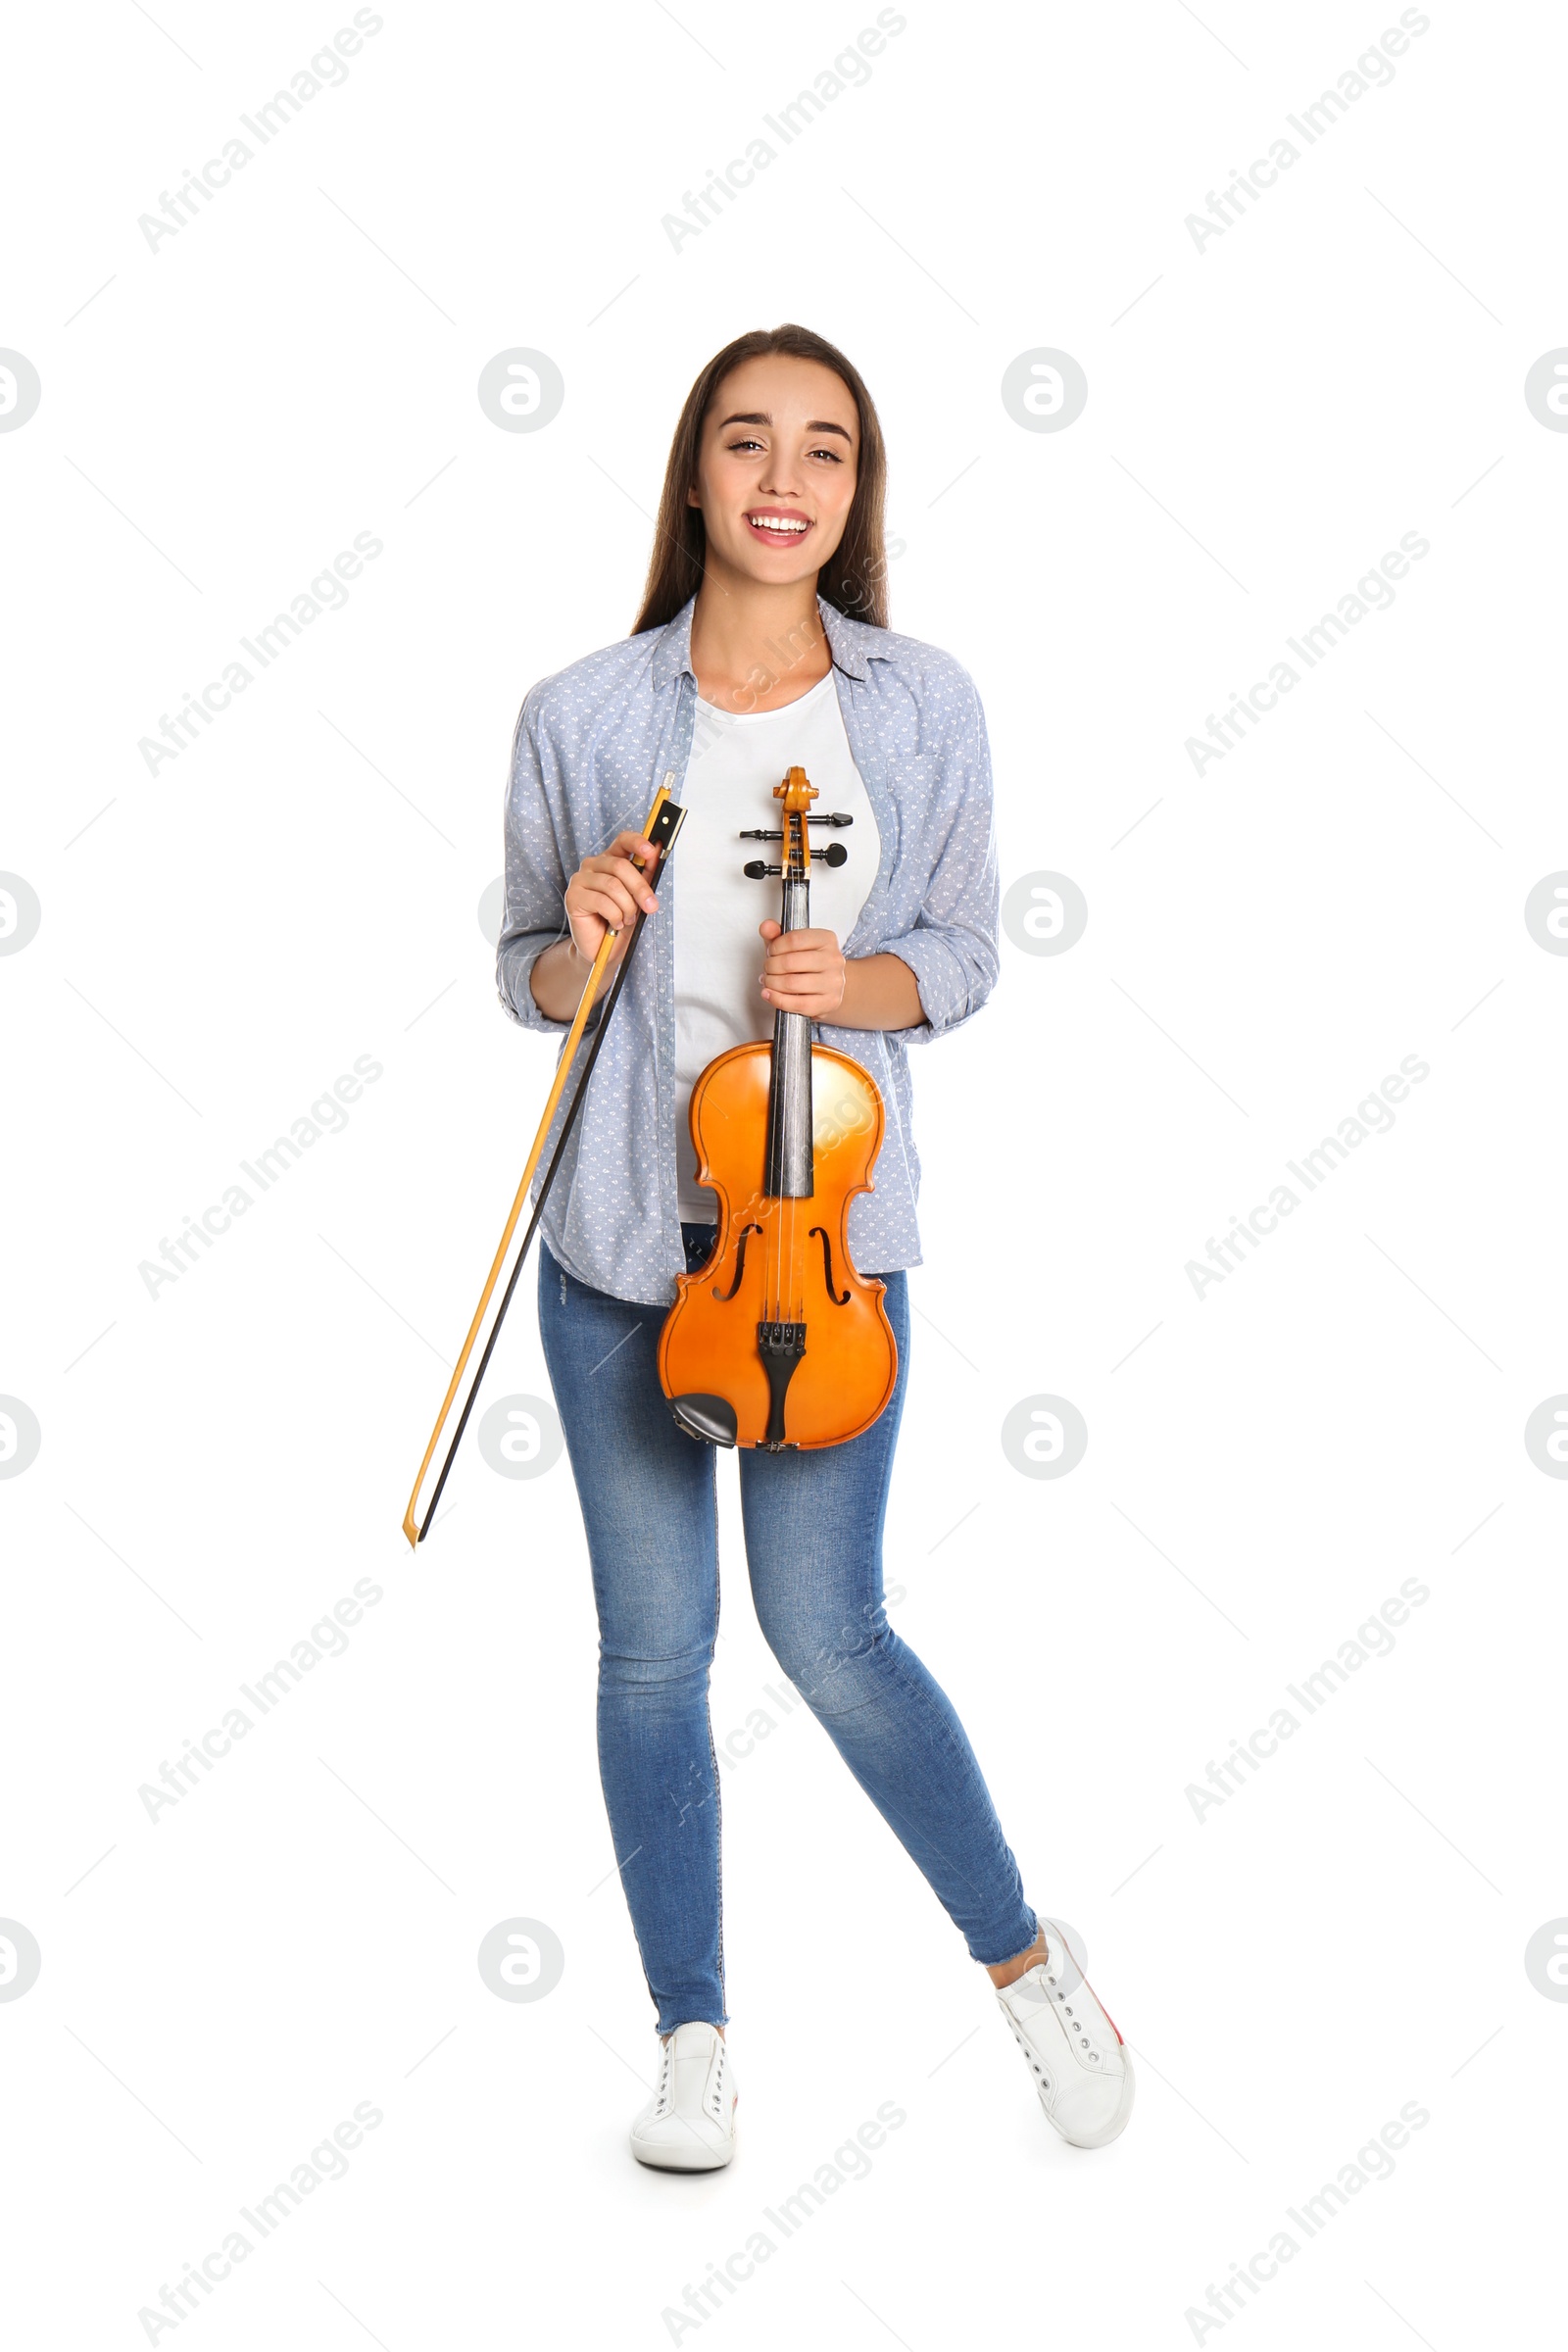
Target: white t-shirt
pixel 735 765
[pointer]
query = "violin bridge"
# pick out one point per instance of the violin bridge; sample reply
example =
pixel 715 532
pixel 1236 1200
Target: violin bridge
pixel 781 1347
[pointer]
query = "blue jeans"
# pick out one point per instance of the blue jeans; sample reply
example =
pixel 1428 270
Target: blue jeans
pixel 814 1545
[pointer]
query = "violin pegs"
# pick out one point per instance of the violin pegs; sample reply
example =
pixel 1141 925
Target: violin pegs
pixel 835 854
pixel 755 871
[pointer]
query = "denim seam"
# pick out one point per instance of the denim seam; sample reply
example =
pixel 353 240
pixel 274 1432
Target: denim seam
pixel 719 1807
pixel 915 1697
pixel 952 1751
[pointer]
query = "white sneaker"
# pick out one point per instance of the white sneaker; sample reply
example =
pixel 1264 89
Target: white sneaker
pixel 1081 2068
pixel 688 2126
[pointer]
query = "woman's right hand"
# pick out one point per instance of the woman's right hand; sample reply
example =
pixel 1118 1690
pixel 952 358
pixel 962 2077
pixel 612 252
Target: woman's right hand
pixel 607 893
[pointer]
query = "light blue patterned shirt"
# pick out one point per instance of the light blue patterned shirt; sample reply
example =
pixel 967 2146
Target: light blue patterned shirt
pixel 592 746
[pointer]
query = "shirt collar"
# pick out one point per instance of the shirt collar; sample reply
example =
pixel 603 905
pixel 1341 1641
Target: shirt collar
pixel 852 643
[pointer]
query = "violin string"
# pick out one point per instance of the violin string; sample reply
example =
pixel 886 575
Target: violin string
pixel 797 874
pixel 784 1092
pixel 805 1031
pixel 787 1236
pixel 796 1293
pixel 784 1097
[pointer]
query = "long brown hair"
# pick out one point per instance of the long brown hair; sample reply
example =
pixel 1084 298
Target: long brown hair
pixel 855 578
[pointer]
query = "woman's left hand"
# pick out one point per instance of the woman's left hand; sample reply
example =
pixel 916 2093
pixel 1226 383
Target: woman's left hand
pixel 805 971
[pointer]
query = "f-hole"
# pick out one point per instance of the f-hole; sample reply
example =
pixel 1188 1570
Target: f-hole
pixel 819 1231
pixel 724 1297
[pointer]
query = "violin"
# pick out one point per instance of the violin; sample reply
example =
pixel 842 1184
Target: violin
pixel 776 1340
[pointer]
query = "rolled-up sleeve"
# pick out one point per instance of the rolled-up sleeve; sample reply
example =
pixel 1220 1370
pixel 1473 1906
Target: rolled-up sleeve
pixel 950 945
pixel 535 910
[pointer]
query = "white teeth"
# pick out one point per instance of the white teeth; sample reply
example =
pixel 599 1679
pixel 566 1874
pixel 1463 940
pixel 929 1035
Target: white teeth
pixel 769 522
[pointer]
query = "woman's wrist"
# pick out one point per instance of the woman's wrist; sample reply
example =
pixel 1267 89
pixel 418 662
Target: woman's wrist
pixel 556 978
pixel 880 991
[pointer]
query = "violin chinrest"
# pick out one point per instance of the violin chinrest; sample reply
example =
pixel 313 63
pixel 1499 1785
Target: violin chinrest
pixel 710 1418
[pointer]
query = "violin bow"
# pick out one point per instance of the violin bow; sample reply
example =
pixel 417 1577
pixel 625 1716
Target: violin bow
pixel 665 822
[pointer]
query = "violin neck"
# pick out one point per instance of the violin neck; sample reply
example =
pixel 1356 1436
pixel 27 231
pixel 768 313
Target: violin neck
pixel 789 1173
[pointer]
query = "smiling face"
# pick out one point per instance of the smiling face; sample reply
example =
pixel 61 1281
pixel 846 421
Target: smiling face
pixel 776 470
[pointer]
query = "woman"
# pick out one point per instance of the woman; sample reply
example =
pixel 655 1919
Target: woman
pixel 762 644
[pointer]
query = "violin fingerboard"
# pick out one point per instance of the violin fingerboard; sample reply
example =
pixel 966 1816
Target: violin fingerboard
pixel 789 1173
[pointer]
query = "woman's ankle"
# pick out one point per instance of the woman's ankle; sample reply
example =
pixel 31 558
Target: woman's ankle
pixel 1007 1972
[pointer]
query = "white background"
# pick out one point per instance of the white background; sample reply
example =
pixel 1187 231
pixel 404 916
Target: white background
pixel 218 941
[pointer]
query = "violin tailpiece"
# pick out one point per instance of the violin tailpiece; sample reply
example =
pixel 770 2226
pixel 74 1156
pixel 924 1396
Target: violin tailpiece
pixel 781 1347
